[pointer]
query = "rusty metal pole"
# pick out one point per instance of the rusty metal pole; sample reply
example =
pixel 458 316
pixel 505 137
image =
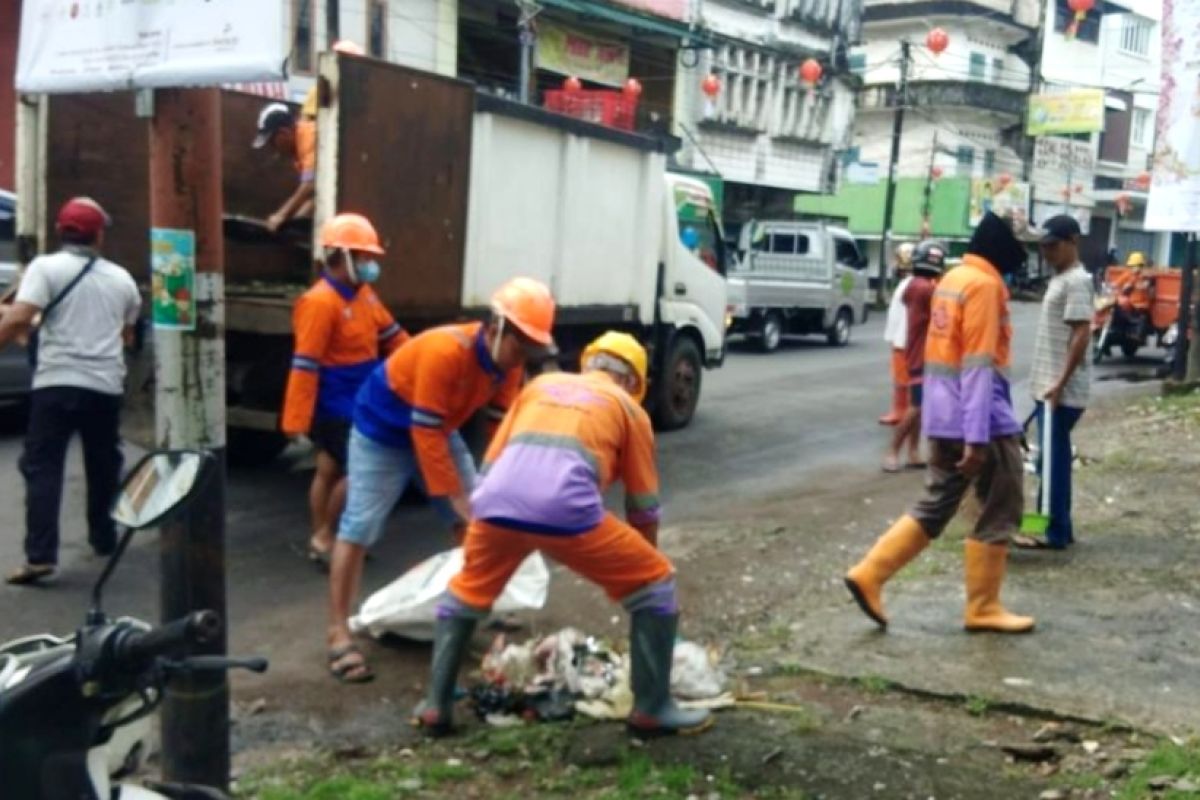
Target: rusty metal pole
pixel 189 370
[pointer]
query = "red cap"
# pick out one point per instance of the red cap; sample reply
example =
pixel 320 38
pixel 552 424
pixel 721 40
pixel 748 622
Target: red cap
pixel 82 215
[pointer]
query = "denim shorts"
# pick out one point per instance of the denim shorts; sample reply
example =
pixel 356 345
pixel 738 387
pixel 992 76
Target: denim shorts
pixel 377 477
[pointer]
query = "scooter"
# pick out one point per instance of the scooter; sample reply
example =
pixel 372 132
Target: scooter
pixel 65 702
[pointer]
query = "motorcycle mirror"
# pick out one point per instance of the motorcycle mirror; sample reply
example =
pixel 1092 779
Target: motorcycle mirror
pixel 159 485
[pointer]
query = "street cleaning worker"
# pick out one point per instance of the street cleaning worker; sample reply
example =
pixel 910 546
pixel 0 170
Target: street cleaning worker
pixel 296 140
pixel 406 421
pixel 1136 291
pixel 565 441
pixel 928 263
pixel 893 334
pixel 340 328
pixel 973 433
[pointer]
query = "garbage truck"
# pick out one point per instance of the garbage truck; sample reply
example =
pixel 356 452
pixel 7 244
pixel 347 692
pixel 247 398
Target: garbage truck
pixel 466 189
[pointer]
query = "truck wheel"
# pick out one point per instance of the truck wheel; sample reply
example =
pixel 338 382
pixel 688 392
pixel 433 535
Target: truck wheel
pixel 771 333
pixel 678 389
pixel 839 334
pixel 247 447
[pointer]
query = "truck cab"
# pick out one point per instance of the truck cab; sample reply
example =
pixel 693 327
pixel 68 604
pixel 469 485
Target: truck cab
pixel 799 278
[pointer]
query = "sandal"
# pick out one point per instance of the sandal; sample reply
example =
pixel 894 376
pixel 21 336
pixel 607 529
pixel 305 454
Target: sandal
pixel 29 574
pixel 1023 542
pixel 348 665
pixel 891 465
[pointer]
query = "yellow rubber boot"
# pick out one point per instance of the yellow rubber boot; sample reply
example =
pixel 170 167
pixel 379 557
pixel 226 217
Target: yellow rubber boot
pixel 985 567
pixel 893 550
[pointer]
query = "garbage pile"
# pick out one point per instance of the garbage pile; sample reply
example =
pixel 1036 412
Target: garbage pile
pixel 568 672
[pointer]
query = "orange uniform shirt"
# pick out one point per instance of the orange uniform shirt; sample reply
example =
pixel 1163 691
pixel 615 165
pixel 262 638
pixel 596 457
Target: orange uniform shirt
pixel 306 150
pixel 340 332
pixel 428 389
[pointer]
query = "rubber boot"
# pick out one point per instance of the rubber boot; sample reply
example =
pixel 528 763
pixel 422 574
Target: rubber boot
pixel 651 650
pixel 435 714
pixel 893 550
pixel 899 407
pixel 985 567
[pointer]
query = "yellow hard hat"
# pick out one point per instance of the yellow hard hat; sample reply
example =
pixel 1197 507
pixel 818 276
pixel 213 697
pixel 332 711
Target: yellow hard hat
pixel 627 349
pixel 1136 259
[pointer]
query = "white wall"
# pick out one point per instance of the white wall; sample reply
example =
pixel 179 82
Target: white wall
pixel 882 51
pixel 873 137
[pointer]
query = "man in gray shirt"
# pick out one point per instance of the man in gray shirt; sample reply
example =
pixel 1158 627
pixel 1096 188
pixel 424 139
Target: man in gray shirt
pixel 87 307
pixel 1061 374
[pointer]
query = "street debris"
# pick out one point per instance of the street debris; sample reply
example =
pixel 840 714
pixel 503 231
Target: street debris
pixel 407 606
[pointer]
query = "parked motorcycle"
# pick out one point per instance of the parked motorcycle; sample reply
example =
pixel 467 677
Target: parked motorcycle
pixel 73 710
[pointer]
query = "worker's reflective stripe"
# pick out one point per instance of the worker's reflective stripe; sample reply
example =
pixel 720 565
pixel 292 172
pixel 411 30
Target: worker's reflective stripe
pixel 641 502
pixel 495 412
pixel 949 294
pixel 389 332
pixel 976 361
pixel 306 364
pixel 942 370
pixel 426 419
pixel 562 442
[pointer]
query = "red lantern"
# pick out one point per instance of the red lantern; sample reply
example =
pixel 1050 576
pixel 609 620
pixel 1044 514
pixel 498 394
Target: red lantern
pixel 1123 204
pixel 1003 180
pixel 711 86
pixel 937 40
pixel 1066 193
pixel 1081 8
pixel 573 84
pixel 1078 188
pixel 810 71
pixel 936 172
pixel 1143 180
pixel 633 88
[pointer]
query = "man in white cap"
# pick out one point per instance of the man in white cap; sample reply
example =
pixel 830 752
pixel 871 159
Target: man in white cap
pixel 296 140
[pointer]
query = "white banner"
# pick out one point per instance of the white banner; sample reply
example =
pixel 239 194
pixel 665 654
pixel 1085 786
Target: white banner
pixel 1174 203
pixel 106 45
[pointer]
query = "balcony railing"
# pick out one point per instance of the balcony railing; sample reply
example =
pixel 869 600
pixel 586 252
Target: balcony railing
pixel 974 94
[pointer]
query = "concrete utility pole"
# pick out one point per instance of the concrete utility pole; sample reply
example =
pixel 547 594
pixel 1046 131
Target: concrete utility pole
pixel 189 371
pixel 889 200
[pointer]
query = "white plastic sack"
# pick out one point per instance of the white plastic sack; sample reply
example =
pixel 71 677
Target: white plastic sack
pixel 408 605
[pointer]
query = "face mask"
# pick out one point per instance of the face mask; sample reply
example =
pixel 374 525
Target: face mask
pixel 367 271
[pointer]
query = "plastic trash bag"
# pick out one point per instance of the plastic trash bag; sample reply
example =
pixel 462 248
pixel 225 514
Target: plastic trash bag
pixel 408 605
pixel 695 674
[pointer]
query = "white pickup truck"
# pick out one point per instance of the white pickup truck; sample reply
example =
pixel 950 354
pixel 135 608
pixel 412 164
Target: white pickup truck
pixel 796 277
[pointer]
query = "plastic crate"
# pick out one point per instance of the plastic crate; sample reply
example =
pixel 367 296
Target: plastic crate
pixel 601 106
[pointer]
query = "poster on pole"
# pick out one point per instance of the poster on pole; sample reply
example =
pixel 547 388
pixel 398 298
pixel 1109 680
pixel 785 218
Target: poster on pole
pixel 1174 203
pixel 111 45
pixel 1004 198
pixel 173 279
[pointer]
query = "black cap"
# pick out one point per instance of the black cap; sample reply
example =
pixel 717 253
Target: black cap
pixel 273 118
pixel 1061 228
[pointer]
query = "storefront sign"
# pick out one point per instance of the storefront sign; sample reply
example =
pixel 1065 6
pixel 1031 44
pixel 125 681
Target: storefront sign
pixel 1077 111
pixel 173 279
pixel 567 51
pixel 1010 200
pixel 108 45
pixel 1174 203
pixel 1058 156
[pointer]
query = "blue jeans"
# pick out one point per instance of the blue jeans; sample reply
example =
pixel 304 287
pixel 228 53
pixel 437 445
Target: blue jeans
pixel 1060 533
pixel 377 476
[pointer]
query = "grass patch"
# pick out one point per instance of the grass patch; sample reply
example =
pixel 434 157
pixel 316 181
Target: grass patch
pixel 874 684
pixel 1166 760
pixel 977 705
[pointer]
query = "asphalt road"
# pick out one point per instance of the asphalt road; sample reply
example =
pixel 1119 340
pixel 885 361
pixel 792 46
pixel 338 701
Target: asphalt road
pixel 765 423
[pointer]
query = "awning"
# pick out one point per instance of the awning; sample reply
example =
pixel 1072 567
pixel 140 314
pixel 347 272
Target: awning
pixel 642 22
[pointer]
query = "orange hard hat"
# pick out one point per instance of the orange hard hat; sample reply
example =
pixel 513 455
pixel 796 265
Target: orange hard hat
pixel 351 232
pixel 527 304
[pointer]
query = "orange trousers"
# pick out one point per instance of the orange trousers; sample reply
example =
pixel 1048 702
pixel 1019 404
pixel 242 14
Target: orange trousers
pixel 612 555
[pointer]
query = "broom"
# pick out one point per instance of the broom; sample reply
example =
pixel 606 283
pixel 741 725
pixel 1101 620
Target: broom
pixel 1036 524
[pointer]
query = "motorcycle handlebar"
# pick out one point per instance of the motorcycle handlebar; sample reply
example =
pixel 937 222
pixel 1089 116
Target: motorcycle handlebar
pixel 141 646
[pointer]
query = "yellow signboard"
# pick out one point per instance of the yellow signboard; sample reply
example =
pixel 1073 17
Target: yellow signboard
pixel 1077 111
pixel 568 52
